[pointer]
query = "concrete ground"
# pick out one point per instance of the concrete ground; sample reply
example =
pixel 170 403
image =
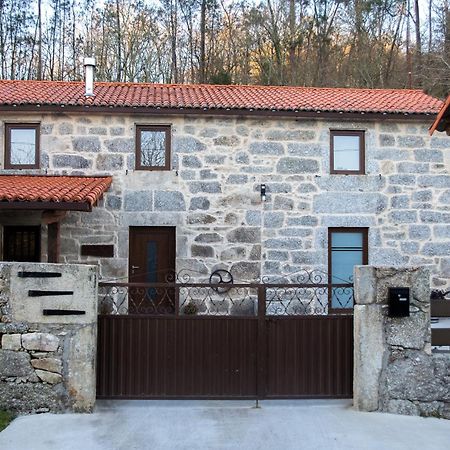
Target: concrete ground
pixel 178 425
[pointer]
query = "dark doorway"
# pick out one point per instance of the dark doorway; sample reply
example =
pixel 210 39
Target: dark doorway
pixel 152 260
pixel 22 243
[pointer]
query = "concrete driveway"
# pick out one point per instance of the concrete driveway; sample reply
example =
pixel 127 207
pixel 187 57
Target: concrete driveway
pixel 225 425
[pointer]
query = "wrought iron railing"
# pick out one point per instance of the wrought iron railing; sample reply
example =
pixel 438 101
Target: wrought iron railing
pixel 306 294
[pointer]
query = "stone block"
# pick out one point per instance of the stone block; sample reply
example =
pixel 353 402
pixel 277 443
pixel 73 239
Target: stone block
pixel 202 251
pixel 308 221
pixel 120 145
pixel 437 181
pixel 369 353
pixel 191 161
pixel 208 174
pixel 187 144
pixel 44 342
pixel 410 167
pixel 237 179
pixel 283 203
pixel 233 254
pixel 199 203
pixel 227 141
pixel 113 202
pixel 349 202
pixel 48 364
pixel 410 141
pixel 247 235
pixel 365 285
pixel 208 187
pixel 405 216
pixel 242 158
pixel 302 149
pixel 408 332
pixel 291 165
pixel 208 237
pixel 283 243
pixel 253 218
pixel 428 155
pixel 290 135
pixel 49 377
pixel 15 364
pixel 245 271
pixel 434 217
pixel 266 148
pixel 169 201
pixel 200 219
pixel 86 144
pixel 109 162
pixel 138 201
pixel 11 342
pixel 436 249
pixel 71 161
pixel 273 219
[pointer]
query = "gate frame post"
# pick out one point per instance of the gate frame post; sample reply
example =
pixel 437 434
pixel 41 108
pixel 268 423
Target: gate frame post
pixel 261 358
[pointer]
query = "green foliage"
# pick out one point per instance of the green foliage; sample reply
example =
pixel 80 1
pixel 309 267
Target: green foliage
pixel 5 419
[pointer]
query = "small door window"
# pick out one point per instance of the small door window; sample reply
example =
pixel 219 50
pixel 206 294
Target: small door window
pixel 347 247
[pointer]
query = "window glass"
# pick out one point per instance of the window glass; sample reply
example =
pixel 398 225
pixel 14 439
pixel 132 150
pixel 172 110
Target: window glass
pixel 346 152
pixel 347 251
pixel 22 146
pixel 153 148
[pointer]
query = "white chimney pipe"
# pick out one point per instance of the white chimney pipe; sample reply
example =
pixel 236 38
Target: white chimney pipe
pixel 89 66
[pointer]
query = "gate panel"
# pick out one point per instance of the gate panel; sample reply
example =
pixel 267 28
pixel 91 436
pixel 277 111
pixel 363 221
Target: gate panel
pixel 309 357
pixel 174 357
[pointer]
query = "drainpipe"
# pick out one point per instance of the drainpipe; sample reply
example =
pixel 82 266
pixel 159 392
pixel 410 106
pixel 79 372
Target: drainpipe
pixel 89 66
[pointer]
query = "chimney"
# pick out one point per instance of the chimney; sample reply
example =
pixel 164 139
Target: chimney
pixel 89 66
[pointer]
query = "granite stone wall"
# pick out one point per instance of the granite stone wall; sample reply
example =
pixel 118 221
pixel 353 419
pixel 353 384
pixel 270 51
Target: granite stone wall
pixel 47 363
pixel 212 192
pixel 395 370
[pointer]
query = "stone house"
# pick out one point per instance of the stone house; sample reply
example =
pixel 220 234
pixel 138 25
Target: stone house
pixel 259 181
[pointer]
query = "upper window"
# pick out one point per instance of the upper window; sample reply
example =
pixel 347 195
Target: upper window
pixel 347 152
pixel 21 146
pixel 153 147
pixel 347 247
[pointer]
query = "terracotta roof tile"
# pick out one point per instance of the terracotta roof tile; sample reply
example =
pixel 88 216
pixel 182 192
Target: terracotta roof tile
pixel 53 189
pixel 211 97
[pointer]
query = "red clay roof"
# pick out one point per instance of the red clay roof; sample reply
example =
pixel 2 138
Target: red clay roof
pixel 216 97
pixel 50 191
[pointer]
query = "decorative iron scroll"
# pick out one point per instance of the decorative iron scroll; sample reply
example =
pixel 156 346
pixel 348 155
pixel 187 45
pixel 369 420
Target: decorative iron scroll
pixel 307 293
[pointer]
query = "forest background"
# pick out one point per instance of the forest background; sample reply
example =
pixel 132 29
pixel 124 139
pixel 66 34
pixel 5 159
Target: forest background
pixel 334 43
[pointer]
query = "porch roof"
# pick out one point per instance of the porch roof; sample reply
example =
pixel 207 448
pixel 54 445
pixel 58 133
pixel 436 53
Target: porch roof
pixel 51 192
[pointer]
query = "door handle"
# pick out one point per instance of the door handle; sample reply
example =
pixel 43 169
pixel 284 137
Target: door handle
pixel 133 268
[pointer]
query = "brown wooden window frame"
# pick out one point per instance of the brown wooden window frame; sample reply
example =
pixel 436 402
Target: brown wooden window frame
pixel 23 126
pixel 365 260
pixel 168 130
pixel 362 152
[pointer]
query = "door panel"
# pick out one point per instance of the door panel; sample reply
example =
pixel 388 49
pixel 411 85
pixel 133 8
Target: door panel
pixel 151 260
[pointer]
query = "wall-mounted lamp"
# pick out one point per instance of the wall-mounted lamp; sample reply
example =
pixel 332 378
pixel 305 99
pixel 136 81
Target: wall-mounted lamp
pixel 263 192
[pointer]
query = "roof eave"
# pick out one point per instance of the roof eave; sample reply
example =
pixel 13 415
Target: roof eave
pixel 181 111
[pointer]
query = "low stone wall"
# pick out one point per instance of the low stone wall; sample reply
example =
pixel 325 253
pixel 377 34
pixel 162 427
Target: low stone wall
pixel 47 361
pixel 395 370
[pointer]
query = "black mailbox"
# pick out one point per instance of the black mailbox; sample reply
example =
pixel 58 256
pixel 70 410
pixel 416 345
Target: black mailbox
pixel 399 302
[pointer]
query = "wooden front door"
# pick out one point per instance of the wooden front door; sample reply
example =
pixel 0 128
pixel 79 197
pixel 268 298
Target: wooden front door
pixel 22 243
pixel 152 260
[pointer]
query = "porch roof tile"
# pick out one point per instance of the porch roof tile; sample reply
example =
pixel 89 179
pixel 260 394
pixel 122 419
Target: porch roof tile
pixel 52 191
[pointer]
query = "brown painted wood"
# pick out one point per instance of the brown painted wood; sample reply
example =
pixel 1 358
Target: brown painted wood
pixel 53 242
pixel 152 248
pixel 440 308
pixel 22 243
pixel 67 206
pixel 440 336
pixel 27 126
pixel 99 250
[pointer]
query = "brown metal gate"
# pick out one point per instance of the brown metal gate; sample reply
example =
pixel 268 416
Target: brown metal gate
pixel 223 341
